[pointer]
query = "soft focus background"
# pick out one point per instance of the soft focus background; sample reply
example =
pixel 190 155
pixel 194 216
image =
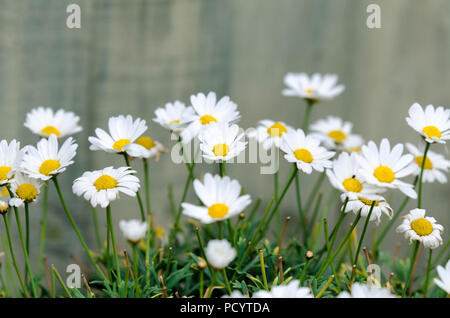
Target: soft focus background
pixel 130 57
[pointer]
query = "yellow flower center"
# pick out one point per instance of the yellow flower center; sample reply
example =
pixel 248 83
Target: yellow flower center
pixel 303 155
pixel 218 210
pixel 119 144
pixel 337 135
pixel 175 121
pixel 27 192
pixel 105 182
pixel 352 185
pixel 309 91
pixel 221 150
pixel 206 119
pixel 48 166
pixel 367 202
pixel 384 174
pixel 4 170
pixel 146 142
pixel 432 131
pixel 4 192
pixel 48 130
pixel 276 130
pixel 419 160
pixel 422 227
pixel 159 232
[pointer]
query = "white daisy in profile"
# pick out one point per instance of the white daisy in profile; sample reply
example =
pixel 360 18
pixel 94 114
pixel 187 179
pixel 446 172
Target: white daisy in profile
pixel 44 122
pixel 123 131
pixel 352 143
pixel 363 204
pixel 269 133
pixel 290 290
pixel 444 277
pixel 206 111
pixel 145 147
pixel 434 167
pixel 305 151
pixel 345 176
pixel 25 189
pixel 366 291
pixel 10 159
pixel 173 116
pixel 315 88
pixel 221 198
pixel 220 253
pixel 47 159
pixel 384 167
pixel 133 230
pixel 433 124
pixel 332 131
pixel 101 187
pixel 417 227
pixel 221 142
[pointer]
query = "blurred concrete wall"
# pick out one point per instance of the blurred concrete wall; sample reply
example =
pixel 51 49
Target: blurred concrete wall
pixel 130 57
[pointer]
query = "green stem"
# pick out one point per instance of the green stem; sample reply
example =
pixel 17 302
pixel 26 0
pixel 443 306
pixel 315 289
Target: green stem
pixel 147 252
pixel 56 273
pixel 301 213
pixel 222 169
pixel 75 227
pixel 227 284
pixel 327 243
pixel 424 158
pixel 305 268
pixel 263 269
pixel 427 277
pixel 11 251
pixel 202 249
pixel 43 227
pixel 27 227
pixel 363 232
pixel 108 251
pixel 309 106
pixel 411 267
pixel 113 239
pixel 96 228
pixel 138 195
pixel 135 269
pixel 441 253
pixel 147 185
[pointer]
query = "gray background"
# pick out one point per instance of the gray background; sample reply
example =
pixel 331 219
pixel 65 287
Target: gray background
pixel 131 57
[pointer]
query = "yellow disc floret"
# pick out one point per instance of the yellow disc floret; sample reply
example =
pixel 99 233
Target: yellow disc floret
pixel 146 142
pixel 384 174
pixel 27 192
pixel 303 155
pixel 105 182
pixel 48 166
pixel 276 130
pixel 48 130
pixel 221 150
pixel 352 185
pixel 368 202
pixel 119 144
pixel 432 131
pixel 206 119
pixel 218 210
pixel 337 135
pixel 4 170
pixel 419 160
pixel 422 226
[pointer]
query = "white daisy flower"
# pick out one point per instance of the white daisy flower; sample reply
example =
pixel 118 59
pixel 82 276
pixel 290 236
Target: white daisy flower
pixel 332 131
pixel 434 167
pixel 315 88
pixel 366 291
pixel 432 124
pixel 44 122
pixel 46 160
pixel 101 187
pixel 364 202
pixel 417 227
pixel 123 131
pixel 384 167
pixel 269 133
pixel 345 177
pixel 145 147
pixel 220 253
pixel 444 277
pixel 221 142
pixel 173 116
pixel 291 290
pixel 206 111
pixel 305 151
pixel 10 159
pixel 133 230
pixel 352 143
pixel 25 189
pixel 221 198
